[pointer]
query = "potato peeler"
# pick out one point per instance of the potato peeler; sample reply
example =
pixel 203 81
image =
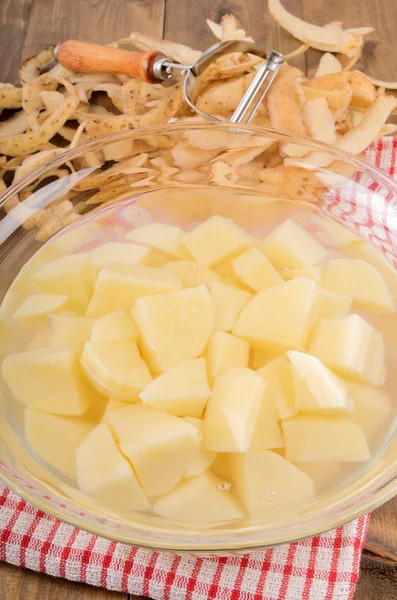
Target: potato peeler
pixel 154 67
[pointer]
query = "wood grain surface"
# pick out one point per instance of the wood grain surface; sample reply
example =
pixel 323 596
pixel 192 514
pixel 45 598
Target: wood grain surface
pixel 27 26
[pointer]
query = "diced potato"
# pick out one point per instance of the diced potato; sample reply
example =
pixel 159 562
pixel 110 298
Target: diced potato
pixel 364 251
pixel 323 474
pixel 371 408
pixel 278 377
pixel 40 340
pixel 199 499
pixel 202 459
pixel 265 482
pixel 113 327
pixel 225 350
pixel 49 381
pixel 374 371
pixel 316 273
pixel 281 316
pixel 360 281
pixel 333 305
pixel 111 405
pixel 156 259
pixel 118 286
pixel 235 426
pixel 56 438
pixel 175 327
pixel 104 474
pixel 35 308
pixel 159 446
pixel 291 246
pixel 228 303
pixel 224 269
pixel 337 235
pixel 69 331
pixel 255 270
pixel 70 275
pixel 191 273
pixel 160 236
pixel 259 357
pixel 182 390
pixel 347 346
pixel 117 253
pixel 316 388
pixel 116 369
pixel 216 239
pixel 314 439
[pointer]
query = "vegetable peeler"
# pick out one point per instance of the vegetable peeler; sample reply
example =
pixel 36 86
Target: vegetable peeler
pixel 154 67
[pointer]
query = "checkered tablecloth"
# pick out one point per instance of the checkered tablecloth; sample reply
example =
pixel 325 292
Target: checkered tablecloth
pixel 322 568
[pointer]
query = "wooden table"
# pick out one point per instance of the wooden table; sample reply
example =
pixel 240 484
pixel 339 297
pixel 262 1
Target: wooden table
pixel 27 26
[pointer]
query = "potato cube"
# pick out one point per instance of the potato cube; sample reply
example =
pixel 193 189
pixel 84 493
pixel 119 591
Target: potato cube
pixel 314 439
pixel 278 377
pixel 182 390
pixel 118 286
pixel 35 308
pixel 116 369
pixel 255 270
pixel 114 327
pixel 316 273
pixel 49 381
pixel 291 246
pixel 228 303
pixel 323 474
pixel 112 405
pixel 199 499
pixel 104 474
pixel 69 331
pixel 191 273
pixel 280 317
pixel 360 281
pixel 56 438
pixel 372 408
pixel 70 275
pixel 159 446
pixel 316 388
pixel 202 459
pixel 333 305
pixel 160 236
pixel 225 350
pixel 175 327
pixel 117 253
pixel 216 239
pixel 265 482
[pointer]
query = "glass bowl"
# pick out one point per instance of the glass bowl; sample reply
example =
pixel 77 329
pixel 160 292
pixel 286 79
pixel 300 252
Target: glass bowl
pixel 181 174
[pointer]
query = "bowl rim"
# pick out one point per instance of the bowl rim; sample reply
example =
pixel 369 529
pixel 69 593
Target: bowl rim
pixel 365 502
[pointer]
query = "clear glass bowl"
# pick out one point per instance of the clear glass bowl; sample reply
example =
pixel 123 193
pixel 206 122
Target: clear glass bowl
pixel 223 175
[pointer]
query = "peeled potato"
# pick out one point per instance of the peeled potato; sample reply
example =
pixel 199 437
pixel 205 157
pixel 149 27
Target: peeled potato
pixel 228 302
pixel 255 270
pixel 291 246
pixel 112 405
pixel 316 388
pixel 56 438
pixel 35 308
pixel 372 408
pixel 113 327
pixel 118 286
pixel 160 236
pixel 225 350
pixel 69 331
pixel 316 273
pixel 278 377
pixel 198 499
pixel 174 327
pixel 158 445
pixel 191 273
pixel 265 482
pixel 70 275
pixel 313 439
pixel 104 474
pixel 281 316
pixel 117 253
pixel 323 474
pixel 216 239
pixel 202 458
pixel 360 281
pixel 116 369
pixel 52 381
pixel 333 305
pixel 182 390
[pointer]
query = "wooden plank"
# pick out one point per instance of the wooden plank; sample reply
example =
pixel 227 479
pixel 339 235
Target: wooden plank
pixel 381 49
pixel 20 584
pixel 382 533
pixel 14 16
pixel 378 579
pixel 185 22
pixel 94 21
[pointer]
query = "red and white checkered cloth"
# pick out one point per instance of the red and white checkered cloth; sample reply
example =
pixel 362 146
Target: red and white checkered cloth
pixel 325 567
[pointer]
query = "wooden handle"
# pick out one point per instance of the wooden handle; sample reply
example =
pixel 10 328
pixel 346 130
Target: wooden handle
pixel 86 57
